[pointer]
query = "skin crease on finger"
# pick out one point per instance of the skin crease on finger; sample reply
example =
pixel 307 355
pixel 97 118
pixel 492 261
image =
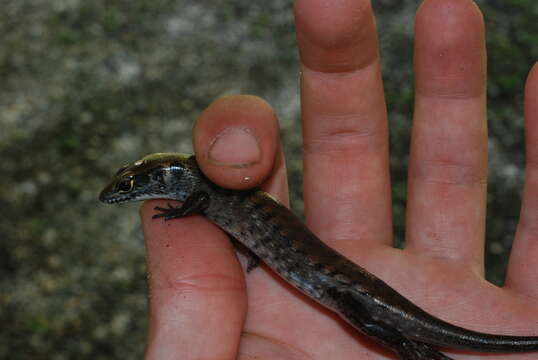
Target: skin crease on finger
pixel 280 323
pixel 449 116
pixel 344 124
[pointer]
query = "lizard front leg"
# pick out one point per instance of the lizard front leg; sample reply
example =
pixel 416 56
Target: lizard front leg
pixel 195 204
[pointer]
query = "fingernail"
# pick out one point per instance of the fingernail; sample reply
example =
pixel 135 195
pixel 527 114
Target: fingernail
pixel 235 147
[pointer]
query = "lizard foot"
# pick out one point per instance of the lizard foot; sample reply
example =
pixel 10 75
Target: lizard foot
pixel 414 350
pixel 168 213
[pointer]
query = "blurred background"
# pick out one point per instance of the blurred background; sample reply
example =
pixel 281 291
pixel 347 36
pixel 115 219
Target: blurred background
pixel 89 85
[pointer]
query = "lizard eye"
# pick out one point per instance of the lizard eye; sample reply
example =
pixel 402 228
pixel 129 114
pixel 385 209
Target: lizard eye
pixel 125 185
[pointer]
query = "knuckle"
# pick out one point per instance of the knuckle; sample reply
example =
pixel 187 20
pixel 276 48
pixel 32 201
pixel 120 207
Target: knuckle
pixel 202 282
pixel 449 172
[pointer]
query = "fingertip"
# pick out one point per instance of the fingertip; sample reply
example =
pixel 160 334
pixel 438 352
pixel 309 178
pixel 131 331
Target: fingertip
pixel 235 141
pixel 197 288
pixel 336 36
pixel 450 54
pixel 531 87
pixel 454 10
pixel 531 115
pixel 153 229
pixel 146 208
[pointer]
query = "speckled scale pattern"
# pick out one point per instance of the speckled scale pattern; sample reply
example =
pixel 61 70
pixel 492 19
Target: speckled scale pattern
pixel 286 245
pixel 263 229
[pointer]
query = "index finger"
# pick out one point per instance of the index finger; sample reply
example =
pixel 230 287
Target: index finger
pixel 197 290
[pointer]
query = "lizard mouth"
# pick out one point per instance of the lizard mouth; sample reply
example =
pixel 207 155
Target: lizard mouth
pixel 113 201
pixel 109 198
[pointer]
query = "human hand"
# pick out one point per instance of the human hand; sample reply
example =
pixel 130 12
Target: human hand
pixel 199 307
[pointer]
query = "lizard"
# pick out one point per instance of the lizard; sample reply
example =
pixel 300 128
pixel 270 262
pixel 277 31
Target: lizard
pixel 275 235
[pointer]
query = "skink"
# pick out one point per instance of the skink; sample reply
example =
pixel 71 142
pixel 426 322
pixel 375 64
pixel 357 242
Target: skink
pixel 277 237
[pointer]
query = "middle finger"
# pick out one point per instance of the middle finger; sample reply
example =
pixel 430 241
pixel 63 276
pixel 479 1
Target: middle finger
pixel 344 124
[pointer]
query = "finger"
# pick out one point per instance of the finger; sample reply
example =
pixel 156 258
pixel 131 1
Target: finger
pixel 522 273
pixel 346 184
pixel 448 160
pixel 237 145
pixel 197 289
pixel 247 124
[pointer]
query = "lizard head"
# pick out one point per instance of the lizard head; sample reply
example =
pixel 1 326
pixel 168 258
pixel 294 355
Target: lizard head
pixel 156 176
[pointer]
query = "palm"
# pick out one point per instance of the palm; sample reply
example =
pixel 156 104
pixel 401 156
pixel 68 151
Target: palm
pixel 293 325
pixel 199 306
